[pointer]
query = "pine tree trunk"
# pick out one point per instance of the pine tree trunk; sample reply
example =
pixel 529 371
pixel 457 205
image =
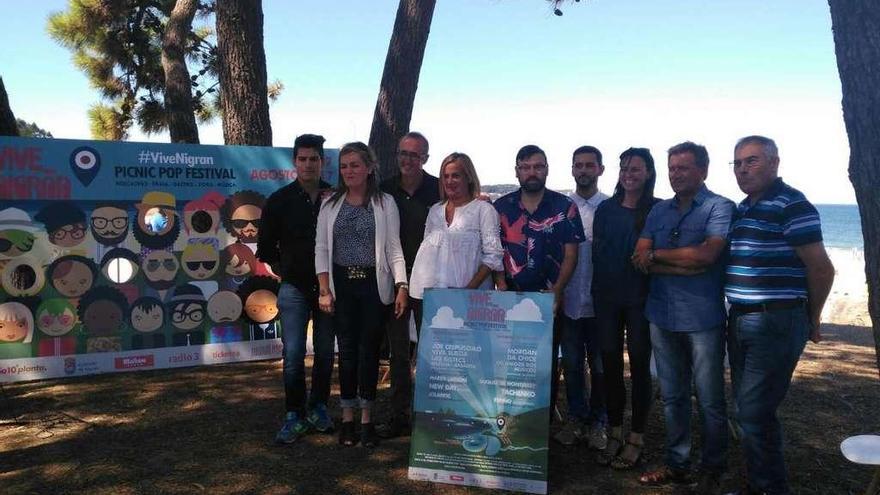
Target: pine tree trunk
pixel 400 79
pixel 178 86
pixel 8 126
pixel 856 26
pixel 242 63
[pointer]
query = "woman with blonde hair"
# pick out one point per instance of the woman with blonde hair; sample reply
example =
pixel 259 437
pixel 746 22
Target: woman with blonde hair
pixel 461 247
pixel 361 269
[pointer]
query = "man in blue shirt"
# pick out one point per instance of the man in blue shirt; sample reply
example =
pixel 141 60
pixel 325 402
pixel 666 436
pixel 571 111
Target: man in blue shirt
pixel 778 277
pixel 681 246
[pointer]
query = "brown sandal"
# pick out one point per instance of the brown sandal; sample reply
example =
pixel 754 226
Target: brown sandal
pixel 663 476
pixel 612 449
pixel 624 459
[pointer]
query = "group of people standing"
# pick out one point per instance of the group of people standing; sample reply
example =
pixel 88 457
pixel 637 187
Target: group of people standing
pixel 627 272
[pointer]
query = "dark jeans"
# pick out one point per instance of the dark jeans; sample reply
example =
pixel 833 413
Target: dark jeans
pixel 580 340
pixel 617 322
pixel 358 321
pixel 295 310
pixel 764 351
pixel 399 346
pixel 554 367
pixel 684 358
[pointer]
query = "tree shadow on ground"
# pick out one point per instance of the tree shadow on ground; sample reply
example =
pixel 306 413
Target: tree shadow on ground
pixel 210 430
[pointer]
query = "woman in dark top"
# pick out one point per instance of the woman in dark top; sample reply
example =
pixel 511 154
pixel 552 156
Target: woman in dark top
pixel 619 293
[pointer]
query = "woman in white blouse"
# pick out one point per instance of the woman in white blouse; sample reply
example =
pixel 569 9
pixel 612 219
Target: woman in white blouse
pixel 461 247
pixel 360 268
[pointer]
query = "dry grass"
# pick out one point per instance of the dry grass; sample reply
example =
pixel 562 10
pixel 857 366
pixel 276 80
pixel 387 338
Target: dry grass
pixel 209 430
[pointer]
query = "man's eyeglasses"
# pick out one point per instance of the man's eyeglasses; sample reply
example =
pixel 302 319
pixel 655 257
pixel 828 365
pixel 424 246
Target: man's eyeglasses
pixel 241 223
pixel 409 155
pixel 118 223
pixel 194 265
pixel 195 315
pixel 524 167
pixel 76 232
pixel 169 264
pixel 748 162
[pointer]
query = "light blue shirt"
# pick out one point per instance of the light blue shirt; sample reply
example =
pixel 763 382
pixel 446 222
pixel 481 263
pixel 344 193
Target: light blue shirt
pixel 578 298
pixel 689 303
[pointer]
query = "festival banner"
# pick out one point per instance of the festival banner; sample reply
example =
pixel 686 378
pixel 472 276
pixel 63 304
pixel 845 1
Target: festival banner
pixel 118 256
pixel 482 395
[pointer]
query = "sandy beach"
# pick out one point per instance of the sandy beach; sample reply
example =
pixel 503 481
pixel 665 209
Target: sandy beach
pixel 848 302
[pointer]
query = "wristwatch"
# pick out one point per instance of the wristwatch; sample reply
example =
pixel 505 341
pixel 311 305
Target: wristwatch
pixel 402 285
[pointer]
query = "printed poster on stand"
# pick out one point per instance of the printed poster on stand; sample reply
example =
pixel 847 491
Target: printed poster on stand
pixel 482 395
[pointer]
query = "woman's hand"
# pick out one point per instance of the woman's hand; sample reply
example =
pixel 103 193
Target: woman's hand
pixel 325 302
pixel 401 302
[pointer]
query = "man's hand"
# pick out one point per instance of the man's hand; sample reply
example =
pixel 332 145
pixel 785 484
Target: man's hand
pixel 643 257
pixel 815 332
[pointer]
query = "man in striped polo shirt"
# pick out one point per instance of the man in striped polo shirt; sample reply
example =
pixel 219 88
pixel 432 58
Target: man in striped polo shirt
pixel 778 277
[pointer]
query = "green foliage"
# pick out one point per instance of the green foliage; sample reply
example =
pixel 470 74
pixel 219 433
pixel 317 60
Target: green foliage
pixel 118 45
pixel 31 129
pixel 108 123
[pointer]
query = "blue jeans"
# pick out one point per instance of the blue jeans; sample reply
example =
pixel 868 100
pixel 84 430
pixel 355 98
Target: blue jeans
pixel 580 340
pixel 295 310
pixel 764 351
pixel 683 358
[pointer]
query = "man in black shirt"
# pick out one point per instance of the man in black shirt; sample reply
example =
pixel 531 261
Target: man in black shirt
pixel 287 243
pixel 414 191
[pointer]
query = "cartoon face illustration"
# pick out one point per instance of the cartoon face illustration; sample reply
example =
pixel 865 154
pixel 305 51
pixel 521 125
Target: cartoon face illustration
pixel 23 277
pixel 241 215
pixel 17 232
pixel 261 306
pixel 224 307
pixel 200 261
pixel 187 307
pixel 65 222
pixel 120 265
pixel 72 276
pixel 260 298
pixel 56 317
pixel 15 242
pixel 157 223
pixel 201 217
pixel 16 323
pixel 109 224
pixel 159 267
pixel 147 314
pixel 102 311
pixel 238 260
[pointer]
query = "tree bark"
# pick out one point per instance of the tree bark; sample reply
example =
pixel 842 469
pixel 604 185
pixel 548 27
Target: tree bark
pixel 242 63
pixel 400 79
pixel 8 126
pixel 856 26
pixel 178 85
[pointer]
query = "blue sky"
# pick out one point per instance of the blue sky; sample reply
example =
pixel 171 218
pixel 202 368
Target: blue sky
pixel 499 74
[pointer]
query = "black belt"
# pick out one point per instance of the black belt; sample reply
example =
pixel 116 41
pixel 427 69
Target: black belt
pixel 356 272
pixel 768 306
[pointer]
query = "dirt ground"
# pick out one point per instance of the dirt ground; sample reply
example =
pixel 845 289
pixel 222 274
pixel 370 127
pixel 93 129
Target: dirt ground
pixel 210 430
